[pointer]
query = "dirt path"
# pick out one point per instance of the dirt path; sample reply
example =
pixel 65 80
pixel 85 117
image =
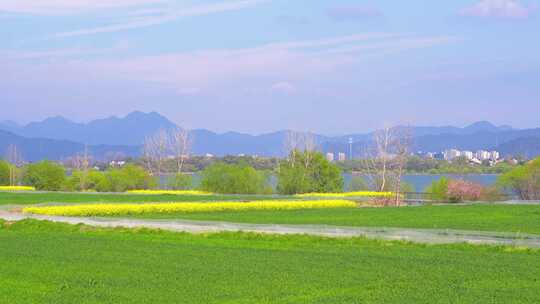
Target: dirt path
pixel 430 236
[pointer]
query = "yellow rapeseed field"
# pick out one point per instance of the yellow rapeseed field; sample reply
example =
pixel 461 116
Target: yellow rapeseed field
pixel 17 188
pixel 349 194
pixel 127 209
pixel 171 192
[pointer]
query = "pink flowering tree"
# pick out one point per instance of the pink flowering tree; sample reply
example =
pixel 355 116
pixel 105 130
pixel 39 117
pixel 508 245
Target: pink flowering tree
pixel 461 190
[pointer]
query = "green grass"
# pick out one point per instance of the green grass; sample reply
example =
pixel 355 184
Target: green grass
pixel 27 198
pixel 482 217
pixel 44 262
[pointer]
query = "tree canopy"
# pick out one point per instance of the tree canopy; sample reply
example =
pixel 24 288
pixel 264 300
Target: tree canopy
pixel 308 171
pixel 4 173
pixel 45 175
pixel 234 179
pixel 524 180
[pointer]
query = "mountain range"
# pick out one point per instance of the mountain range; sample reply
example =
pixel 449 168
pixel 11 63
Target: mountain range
pixel 130 130
pixel 57 138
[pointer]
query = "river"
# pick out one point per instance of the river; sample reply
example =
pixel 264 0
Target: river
pixel 421 181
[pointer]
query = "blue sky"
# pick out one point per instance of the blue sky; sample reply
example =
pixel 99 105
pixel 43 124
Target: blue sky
pixel 263 65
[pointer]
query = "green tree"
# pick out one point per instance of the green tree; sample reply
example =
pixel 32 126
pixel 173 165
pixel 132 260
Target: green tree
pixel 438 189
pixel 4 173
pixel 45 175
pixel 130 177
pixel 234 179
pixel 305 172
pixel 98 181
pixel 358 183
pixel 523 180
pixel 180 182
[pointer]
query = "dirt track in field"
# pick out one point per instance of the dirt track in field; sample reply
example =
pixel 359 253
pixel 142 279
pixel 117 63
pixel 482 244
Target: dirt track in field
pixel 430 236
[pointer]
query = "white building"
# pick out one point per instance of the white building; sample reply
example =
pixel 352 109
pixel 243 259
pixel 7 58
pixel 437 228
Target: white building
pixel 494 155
pixel 342 157
pixel 451 154
pixel 482 155
pixel 117 163
pixel 330 157
pixel 468 154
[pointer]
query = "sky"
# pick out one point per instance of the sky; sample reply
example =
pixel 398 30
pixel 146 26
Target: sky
pixel 257 66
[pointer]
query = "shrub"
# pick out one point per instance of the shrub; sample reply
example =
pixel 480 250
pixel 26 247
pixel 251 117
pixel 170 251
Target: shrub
pixel 438 190
pixel 358 183
pixel 524 181
pixel 45 175
pixel 461 190
pixel 4 173
pixel 129 177
pixel 492 194
pixel 180 182
pixel 234 179
pixel 98 181
pixel 308 172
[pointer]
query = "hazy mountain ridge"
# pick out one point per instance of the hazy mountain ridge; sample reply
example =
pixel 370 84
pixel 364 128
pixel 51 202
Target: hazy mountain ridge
pixel 58 137
pixel 129 130
pixel 35 149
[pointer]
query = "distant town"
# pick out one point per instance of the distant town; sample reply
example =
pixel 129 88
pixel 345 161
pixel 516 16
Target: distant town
pixel 479 157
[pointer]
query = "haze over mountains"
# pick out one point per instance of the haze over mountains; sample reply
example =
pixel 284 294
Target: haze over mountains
pixel 57 138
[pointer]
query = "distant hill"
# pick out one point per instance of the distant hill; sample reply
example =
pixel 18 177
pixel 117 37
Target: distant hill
pixel 129 130
pixel 35 149
pixel 58 137
pixel 526 147
pixel 233 143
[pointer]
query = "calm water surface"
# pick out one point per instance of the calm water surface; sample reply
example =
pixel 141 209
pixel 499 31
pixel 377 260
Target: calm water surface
pixel 419 181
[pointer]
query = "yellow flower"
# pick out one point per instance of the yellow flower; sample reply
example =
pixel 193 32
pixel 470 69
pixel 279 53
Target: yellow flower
pixel 349 194
pixel 127 209
pixel 17 188
pixel 170 192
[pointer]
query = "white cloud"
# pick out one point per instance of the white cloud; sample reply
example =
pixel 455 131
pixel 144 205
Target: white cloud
pixel 395 45
pixel 156 17
pixel 353 12
pixel 283 87
pixel 275 66
pixel 56 7
pixel 188 91
pixel 510 9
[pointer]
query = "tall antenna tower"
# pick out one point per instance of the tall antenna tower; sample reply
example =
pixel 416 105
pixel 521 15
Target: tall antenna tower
pixel 350 148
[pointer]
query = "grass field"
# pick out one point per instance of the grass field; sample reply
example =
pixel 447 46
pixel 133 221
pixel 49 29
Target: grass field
pixel 56 263
pixel 27 198
pixel 482 217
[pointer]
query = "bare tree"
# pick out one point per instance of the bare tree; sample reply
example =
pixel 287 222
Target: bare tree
pixel 180 140
pixel 386 160
pixel 402 144
pixel 81 162
pixel 14 157
pixel 300 142
pixel 155 149
pixel 383 140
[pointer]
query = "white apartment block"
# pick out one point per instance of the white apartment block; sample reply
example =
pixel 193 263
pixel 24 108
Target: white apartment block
pixel 451 154
pixel 483 155
pixel 342 157
pixel 468 154
pixel 479 156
